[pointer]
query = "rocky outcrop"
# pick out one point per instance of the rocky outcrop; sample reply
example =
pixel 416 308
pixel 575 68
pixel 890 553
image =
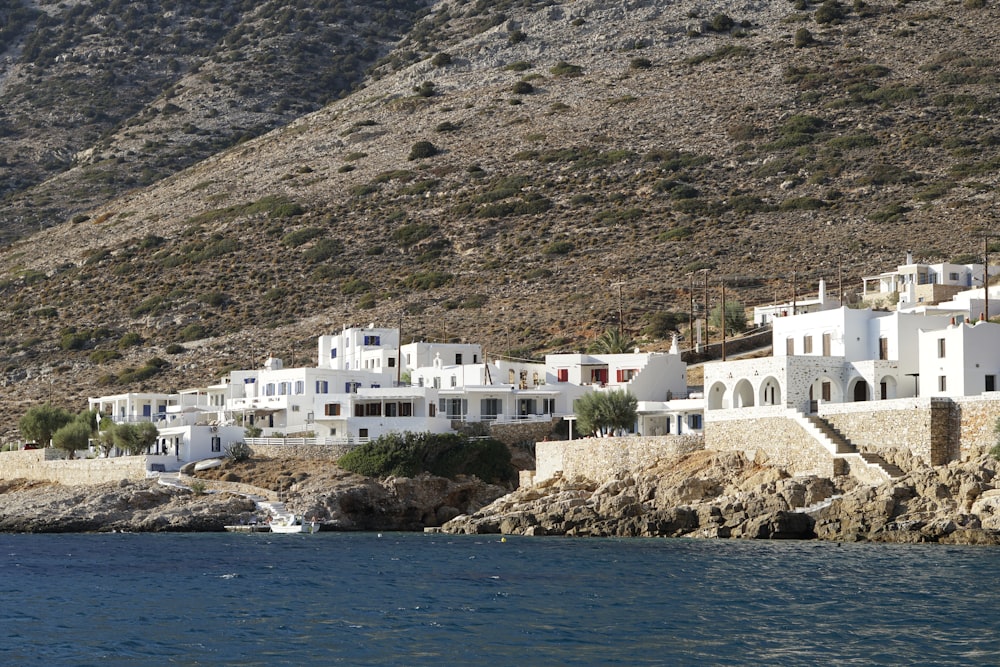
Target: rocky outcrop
pixel 715 494
pixel 123 506
pixel 337 499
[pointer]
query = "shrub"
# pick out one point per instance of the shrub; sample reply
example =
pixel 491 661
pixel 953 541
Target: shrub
pixel 519 66
pixel 558 248
pixel 516 37
pixel 831 11
pixel 441 59
pixel 175 348
pixel 640 63
pixel 522 88
pixel 447 455
pixel 426 280
pixel 102 356
pixel 426 89
pixel 721 23
pixel 193 332
pixel 422 149
pixel 803 38
pixel 239 451
pixel 563 68
pixel 300 236
pixel 323 250
pixel 355 286
pixel 131 339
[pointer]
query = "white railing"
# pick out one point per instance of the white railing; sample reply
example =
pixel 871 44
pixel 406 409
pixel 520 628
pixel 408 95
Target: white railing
pixel 300 442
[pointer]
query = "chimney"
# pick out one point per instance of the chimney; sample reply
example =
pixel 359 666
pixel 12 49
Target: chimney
pixel 909 257
pixel 822 293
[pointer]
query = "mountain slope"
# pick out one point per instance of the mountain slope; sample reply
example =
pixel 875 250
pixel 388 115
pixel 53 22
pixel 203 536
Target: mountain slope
pixel 499 190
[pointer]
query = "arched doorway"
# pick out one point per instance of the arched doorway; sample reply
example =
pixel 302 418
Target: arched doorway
pixel 770 392
pixel 860 391
pixel 716 395
pixel 887 388
pixel 743 394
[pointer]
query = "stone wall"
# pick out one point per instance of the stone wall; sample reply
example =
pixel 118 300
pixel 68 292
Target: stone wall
pixel 899 430
pixel 977 422
pixel 774 439
pixel 46 465
pixel 516 433
pixel 603 459
pixel 301 452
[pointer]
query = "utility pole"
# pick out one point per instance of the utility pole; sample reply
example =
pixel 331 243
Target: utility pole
pixel 723 318
pixel 795 294
pixel 399 349
pixel 840 280
pixel 986 277
pixel 707 337
pixel 691 309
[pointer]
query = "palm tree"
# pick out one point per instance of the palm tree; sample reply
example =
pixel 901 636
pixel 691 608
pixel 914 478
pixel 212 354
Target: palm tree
pixel 601 412
pixel 613 341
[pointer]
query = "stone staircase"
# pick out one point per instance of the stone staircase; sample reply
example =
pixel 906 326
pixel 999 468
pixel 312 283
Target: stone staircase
pixel 840 447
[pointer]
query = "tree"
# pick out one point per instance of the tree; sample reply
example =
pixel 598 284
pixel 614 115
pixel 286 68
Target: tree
pixel 613 341
pixel 603 412
pixel 41 421
pixel 135 438
pixel 736 316
pixel 73 436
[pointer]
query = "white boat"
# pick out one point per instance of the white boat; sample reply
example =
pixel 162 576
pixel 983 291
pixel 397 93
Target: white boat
pixel 289 523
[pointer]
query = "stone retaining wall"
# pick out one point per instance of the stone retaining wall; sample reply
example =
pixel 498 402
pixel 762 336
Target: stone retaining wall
pixel 780 440
pixel 516 433
pixel 603 459
pixel 45 465
pixel 977 422
pixel 889 428
pixel 301 452
pixel 230 487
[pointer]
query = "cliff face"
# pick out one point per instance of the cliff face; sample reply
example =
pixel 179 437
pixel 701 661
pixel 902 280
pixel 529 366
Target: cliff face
pixel 712 494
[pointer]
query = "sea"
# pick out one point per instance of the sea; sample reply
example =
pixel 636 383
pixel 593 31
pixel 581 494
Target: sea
pixel 429 599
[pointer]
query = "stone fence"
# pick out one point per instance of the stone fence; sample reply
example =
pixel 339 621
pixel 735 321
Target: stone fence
pixel 47 465
pixel 302 452
pixel 602 459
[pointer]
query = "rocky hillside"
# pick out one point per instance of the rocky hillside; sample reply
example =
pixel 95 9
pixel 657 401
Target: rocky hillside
pixel 503 176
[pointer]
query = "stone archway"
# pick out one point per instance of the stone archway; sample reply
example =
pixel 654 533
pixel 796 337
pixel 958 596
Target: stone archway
pixel 743 394
pixel 770 391
pixel 859 391
pixel 716 396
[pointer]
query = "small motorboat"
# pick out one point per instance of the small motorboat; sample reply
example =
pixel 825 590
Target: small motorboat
pixel 289 523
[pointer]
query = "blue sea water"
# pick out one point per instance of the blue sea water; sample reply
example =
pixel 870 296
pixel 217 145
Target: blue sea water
pixel 414 599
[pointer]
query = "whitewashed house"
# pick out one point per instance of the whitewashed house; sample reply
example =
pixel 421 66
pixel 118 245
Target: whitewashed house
pixel 915 283
pixel 766 314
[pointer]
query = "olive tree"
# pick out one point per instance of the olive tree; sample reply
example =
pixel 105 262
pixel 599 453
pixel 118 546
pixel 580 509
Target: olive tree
pixel 73 436
pixel 134 438
pixel 41 421
pixel 606 412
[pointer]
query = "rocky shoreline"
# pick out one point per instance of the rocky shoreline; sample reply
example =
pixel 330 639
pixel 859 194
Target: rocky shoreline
pixel 723 495
pixel 700 495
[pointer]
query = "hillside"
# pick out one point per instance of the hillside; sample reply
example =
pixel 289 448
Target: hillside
pixel 505 167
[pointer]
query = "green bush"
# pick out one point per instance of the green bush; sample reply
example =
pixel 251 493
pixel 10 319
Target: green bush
pixel 421 150
pixel 640 63
pixel 522 88
pixel 425 280
pixel 131 339
pixel 441 59
pixel 300 236
pixel 193 332
pixel 831 11
pixel 563 68
pixel 446 455
pixel 803 38
pixel 558 248
pixel 239 451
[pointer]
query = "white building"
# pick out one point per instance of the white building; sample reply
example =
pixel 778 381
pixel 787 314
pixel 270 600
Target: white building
pixel 914 283
pixel 763 315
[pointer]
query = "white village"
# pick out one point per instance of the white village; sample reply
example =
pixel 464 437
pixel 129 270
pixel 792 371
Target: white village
pixel 867 391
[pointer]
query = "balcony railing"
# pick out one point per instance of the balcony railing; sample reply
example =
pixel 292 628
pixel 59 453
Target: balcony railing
pixel 301 442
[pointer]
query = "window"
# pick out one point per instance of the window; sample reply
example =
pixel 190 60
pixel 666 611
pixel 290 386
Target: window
pixel 942 383
pixel 373 409
pixel 322 387
pixel 599 376
pixel 511 376
pixel 490 408
pixel 827 344
pixel 789 346
pixel 284 388
pixel 991 383
pixel 458 359
pixel 437 383
pixel 333 353
pixel 548 406
pixel 351 387
pixel 626 374
pixel 332 410
pixel 390 409
pixel 359 410
pixel 431 410
pixel 362 433
pixel 940 348
pixel 406 409
pixel 300 386
pixel 392 362
pixel 373 340
pixel 953 277
pixel 883 348
pixel 295 408
pixel 269 389
pixel 216 443
pixel 454 381
pixel 562 375
pixel 694 421
pixel 807 344
pixel 825 391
